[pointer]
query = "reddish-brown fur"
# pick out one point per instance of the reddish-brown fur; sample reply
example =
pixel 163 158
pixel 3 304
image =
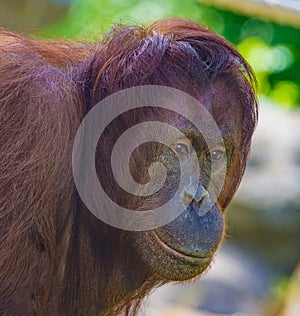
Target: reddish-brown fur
pixel 56 258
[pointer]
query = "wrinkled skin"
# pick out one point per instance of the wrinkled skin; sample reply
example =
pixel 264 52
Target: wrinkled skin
pixel 185 247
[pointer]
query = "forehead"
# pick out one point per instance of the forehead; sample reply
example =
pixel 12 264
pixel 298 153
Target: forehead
pixel 223 99
pixel 220 100
pixel 226 103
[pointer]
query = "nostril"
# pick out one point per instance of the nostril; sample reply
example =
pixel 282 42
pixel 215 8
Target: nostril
pixel 188 197
pixel 204 207
pixel 201 193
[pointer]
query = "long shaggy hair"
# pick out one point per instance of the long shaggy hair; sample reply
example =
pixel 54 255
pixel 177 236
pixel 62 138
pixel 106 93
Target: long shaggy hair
pixel 55 257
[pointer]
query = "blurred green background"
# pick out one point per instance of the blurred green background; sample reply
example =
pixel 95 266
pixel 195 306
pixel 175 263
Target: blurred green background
pixel 272 49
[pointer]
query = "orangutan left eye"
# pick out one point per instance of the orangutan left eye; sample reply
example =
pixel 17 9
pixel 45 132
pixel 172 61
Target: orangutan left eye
pixel 216 156
pixel 181 148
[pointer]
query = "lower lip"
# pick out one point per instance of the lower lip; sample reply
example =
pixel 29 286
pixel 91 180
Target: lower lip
pixel 178 254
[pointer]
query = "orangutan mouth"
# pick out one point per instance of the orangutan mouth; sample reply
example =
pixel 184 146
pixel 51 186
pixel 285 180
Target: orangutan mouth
pixel 192 259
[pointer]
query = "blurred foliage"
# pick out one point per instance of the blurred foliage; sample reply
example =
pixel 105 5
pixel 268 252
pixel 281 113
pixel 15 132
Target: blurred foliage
pixel 30 15
pixel 271 49
pixel 275 299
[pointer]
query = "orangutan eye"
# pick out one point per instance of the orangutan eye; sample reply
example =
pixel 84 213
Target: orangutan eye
pixel 181 147
pixel 216 155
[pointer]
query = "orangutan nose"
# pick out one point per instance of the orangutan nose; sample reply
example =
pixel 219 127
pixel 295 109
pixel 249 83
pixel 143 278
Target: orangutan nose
pixel 200 194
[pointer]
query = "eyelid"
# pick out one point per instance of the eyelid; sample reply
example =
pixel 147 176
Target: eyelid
pixel 183 141
pixel 218 147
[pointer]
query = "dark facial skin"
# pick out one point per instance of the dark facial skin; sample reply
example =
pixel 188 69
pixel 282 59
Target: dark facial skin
pixel 185 247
